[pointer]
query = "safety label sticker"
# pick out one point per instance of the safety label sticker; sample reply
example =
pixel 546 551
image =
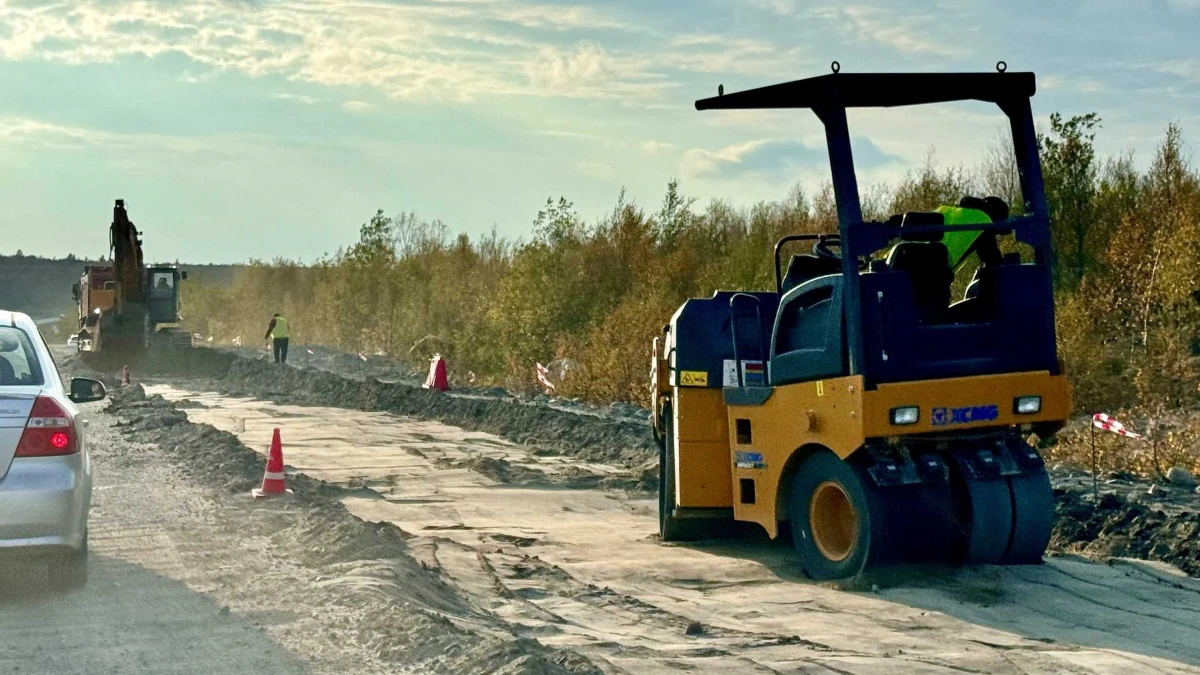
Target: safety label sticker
pixel 693 378
pixel 729 374
pixel 753 374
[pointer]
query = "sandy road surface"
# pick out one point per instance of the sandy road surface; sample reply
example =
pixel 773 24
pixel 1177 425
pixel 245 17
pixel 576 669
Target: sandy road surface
pixel 135 616
pixel 580 569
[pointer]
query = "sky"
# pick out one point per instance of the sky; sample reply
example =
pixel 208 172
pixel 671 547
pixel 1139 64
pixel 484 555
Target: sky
pixel 238 129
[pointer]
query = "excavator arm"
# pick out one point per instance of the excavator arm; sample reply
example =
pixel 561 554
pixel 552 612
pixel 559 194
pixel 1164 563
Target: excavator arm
pixel 125 246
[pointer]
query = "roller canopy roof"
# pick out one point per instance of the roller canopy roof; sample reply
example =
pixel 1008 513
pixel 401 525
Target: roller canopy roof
pixel 878 90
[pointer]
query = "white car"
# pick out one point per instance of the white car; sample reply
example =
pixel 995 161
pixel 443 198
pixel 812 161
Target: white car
pixel 45 471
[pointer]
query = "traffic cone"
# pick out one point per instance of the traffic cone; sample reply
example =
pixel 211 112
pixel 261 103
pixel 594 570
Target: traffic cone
pixel 124 375
pixel 437 374
pixel 273 480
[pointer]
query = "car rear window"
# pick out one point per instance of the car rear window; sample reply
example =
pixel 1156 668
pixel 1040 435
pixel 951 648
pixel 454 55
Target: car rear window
pixel 18 362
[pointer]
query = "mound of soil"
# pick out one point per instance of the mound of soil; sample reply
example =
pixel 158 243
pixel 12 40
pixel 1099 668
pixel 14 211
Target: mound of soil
pixel 498 469
pixel 1115 526
pixel 588 436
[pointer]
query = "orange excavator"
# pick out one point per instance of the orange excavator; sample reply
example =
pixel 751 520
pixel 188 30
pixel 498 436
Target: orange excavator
pixel 127 306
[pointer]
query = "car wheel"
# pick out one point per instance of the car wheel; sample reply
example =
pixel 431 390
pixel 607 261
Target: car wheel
pixel 69 572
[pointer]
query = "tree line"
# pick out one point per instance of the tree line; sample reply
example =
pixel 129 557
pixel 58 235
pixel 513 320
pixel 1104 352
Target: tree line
pixel 594 294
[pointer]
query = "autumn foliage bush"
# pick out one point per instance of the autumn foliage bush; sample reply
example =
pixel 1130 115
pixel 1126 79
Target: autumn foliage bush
pixel 592 295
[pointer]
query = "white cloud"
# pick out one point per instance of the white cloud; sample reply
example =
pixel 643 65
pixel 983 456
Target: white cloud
pixel 780 7
pixel 657 147
pixel 905 32
pixel 358 106
pixel 188 77
pixel 589 70
pixel 741 56
pixel 558 17
pixel 563 133
pixel 775 156
pixel 296 98
pixel 433 50
pixel 698 162
pixel 1186 68
pixel 26 132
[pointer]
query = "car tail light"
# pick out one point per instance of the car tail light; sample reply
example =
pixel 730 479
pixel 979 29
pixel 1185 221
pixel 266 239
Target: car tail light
pixel 49 431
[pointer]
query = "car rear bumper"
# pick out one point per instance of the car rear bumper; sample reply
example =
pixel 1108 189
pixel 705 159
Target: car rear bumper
pixel 44 503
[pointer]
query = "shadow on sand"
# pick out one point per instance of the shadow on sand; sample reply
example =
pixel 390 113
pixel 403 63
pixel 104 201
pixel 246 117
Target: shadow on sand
pixel 127 619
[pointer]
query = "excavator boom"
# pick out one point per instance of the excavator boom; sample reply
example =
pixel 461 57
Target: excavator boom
pixel 117 306
pixel 125 247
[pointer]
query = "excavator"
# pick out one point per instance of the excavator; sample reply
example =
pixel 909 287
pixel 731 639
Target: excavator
pixel 859 405
pixel 128 307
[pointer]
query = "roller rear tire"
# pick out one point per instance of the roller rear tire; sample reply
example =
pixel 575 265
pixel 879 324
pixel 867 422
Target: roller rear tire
pixel 922 526
pixel 986 513
pixel 1033 507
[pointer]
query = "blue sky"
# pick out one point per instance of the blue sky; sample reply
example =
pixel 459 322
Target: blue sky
pixel 260 128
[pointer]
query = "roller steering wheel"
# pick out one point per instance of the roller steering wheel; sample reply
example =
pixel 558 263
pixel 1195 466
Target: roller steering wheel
pixel 822 248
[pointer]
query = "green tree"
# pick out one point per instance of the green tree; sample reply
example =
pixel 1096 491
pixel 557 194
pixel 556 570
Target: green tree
pixel 1069 173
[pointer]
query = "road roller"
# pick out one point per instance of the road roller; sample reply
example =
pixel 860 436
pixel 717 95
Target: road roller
pixel 885 402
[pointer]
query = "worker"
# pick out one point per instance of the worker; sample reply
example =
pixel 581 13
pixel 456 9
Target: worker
pixel 972 210
pixel 277 336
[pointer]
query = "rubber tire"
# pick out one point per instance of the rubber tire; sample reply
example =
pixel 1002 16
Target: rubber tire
pixel 659 440
pixel 69 571
pixel 985 508
pixel 819 468
pixel 671 528
pixel 922 525
pixel 1033 508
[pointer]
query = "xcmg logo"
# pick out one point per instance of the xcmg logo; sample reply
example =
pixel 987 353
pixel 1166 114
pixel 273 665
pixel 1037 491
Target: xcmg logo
pixel 977 413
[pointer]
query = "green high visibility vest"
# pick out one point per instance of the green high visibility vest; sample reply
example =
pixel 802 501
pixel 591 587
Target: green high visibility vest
pixel 958 243
pixel 280 330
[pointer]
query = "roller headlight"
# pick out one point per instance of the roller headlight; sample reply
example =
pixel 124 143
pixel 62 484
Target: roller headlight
pixel 906 415
pixel 1027 405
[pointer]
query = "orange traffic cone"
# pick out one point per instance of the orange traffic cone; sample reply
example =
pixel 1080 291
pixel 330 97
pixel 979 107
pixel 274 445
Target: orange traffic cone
pixel 437 374
pixel 274 479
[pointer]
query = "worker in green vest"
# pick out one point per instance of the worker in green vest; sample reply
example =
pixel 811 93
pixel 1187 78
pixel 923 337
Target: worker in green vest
pixel 277 335
pixel 973 211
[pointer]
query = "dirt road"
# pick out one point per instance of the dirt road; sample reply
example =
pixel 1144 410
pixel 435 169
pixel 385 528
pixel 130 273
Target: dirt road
pixel 192 575
pixel 136 615
pixel 579 570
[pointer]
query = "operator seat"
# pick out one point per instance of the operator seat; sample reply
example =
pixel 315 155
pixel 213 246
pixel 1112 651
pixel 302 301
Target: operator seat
pixel 806 266
pixel 925 259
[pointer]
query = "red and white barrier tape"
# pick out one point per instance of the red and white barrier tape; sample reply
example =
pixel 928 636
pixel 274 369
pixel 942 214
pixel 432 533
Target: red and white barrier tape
pixel 542 373
pixel 1102 421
